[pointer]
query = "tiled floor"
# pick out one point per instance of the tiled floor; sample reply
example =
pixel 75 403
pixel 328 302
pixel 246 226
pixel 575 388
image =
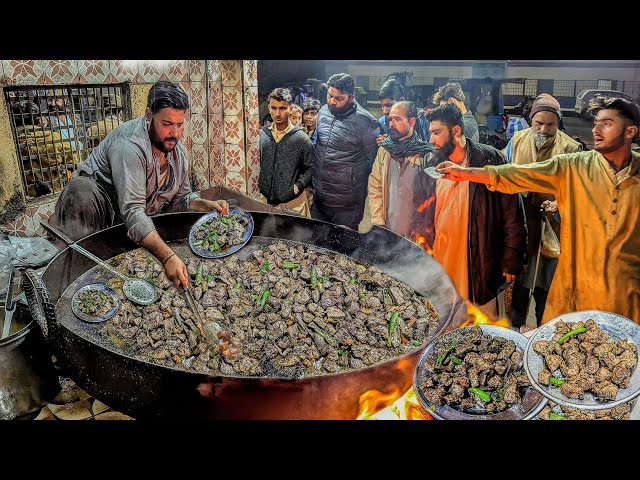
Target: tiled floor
pixel 73 403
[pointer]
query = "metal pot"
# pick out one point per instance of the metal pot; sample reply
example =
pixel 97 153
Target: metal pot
pixel 143 389
pixel 27 377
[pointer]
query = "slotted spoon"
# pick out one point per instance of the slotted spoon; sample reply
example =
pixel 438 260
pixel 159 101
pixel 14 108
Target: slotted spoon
pixel 137 290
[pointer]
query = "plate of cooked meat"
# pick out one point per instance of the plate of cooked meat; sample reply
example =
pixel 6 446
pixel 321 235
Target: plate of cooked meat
pixel 215 236
pixel 95 303
pixel 477 373
pixel 586 360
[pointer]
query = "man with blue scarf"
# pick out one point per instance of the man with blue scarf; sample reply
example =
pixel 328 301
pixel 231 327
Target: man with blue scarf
pixel 393 178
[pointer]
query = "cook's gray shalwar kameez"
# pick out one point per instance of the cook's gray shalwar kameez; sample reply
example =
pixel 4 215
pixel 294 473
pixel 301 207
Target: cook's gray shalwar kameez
pixel 119 182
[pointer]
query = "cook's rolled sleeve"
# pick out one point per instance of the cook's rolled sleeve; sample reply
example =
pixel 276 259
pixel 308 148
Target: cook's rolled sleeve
pixel 131 188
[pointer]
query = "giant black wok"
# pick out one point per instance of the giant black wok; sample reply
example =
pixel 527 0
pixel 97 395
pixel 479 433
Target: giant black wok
pixel 143 389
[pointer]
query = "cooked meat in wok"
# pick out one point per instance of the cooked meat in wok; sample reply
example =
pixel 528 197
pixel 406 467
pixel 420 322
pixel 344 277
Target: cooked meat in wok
pixel 581 358
pixel 94 303
pixel 557 412
pixel 219 233
pixel 289 310
pixel 475 372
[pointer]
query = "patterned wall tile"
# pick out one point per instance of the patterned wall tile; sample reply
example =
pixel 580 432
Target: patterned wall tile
pixel 198 97
pixel 253 155
pixel 232 100
pixel 177 70
pixel 150 70
pixel 22 72
pixel 216 129
pixel 253 175
pixel 236 182
pixel 198 128
pixel 216 164
pixel 253 129
pixel 199 158
pixel 92 71
pixel 234 158
pixel 60 71
pixel 123 70
pixel 214 70
pixel 234 130
pixel 251 102
pixel 196 70
pixel 250 68
pixel 40 213
pixel 186 132
pixel 231 73
pixel 215 97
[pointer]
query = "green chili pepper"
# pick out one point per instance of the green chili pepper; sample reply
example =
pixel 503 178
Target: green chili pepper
pixel 573 332
pixel 290 265
pixel 238 285
pixel 393 324
pixel 199 242
pixel 324 278
pixel 361 295
pixel 556 381
pixel 210 277
pixel 264 297
pixel 352 281
pixel 314 276
pixel 416 343
pixel 455 360
pixel 198 274
pixel 265 266
pixel 443 356
pixel 480 393
pixel 555 416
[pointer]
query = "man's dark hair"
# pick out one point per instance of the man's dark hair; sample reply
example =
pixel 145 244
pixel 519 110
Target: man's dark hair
pixel 447 91
pixel 165 94
pixel 391 89
pixel 449 114
pixel 409 108
pixel 280 94
pixel 311 104
pixel 343 82
pixel 626 108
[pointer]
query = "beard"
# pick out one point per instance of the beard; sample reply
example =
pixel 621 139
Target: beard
pixel 613 145
pixel 443 153
pixel 395 135
pixel 337 111
pixel 158 142
pixel 540 139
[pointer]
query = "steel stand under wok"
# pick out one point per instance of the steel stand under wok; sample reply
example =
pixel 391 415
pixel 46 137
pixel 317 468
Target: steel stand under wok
pixel 143 389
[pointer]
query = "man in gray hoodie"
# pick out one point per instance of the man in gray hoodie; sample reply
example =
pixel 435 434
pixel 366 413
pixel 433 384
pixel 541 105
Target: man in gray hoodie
pixel 286 157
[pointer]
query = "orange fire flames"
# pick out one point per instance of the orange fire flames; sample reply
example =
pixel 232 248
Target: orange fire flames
pixel 422 242
pixel 375 405
pixel 478 317
pixel 426 203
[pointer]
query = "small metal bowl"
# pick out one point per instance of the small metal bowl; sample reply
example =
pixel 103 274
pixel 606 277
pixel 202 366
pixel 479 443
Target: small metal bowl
pixel 618 328
pixel 99 287
pixel 201 252
pixel 530 405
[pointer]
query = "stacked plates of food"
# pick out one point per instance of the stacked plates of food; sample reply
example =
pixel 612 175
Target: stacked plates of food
pixel 215 236
pixel 476 373
pixel 585 360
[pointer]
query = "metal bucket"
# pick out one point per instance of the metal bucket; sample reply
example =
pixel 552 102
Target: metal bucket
pixel 28 379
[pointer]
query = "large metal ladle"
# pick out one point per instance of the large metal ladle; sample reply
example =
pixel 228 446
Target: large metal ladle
pixel 137 290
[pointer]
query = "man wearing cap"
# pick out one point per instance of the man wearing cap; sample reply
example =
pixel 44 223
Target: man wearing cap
pixel 540 142
pixel 598 195
pixel 139 169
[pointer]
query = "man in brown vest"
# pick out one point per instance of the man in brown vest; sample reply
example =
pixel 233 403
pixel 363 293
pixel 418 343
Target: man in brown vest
pixel 540 142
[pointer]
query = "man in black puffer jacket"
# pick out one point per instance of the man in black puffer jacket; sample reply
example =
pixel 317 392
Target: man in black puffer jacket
pixel 345 151
pixel 286 157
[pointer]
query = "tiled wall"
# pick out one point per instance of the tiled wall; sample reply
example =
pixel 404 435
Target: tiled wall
pixel 222 130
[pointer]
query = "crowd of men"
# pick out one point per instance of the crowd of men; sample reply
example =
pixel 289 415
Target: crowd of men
pixel 420 173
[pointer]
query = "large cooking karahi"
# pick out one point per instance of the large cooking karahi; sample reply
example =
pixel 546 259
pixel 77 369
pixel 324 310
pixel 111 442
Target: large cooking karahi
pixel 142 388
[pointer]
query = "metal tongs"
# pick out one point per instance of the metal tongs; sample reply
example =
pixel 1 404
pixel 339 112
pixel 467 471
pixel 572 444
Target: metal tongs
pixel 9 306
